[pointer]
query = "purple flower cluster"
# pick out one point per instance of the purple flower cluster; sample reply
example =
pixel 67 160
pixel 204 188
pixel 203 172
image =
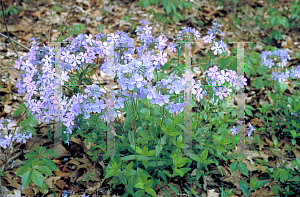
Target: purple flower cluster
pixel 216 78
pixel 234 130
pixel 284 56
pixel 65 193
pixel 215 30
pixel 6 139
pixel 137 74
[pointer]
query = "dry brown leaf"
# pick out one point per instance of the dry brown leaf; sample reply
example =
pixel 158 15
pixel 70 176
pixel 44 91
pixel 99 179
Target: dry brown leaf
pixel 297 153
pixel 61 184
pixel 51 181
pixel 269 142
pixel 212 193
pixel 256 154
pixel 14 74
pixel 61 174
pixel 36 13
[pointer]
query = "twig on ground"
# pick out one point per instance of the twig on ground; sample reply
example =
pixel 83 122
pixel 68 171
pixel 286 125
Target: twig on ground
pixel 15 42
pixel 50 28
pixel 7 30
pixel 8 68
pixel 9 57
pixel 11 166
pixel 62 27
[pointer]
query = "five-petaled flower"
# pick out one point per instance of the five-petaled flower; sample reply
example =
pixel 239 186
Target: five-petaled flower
pixel 217 48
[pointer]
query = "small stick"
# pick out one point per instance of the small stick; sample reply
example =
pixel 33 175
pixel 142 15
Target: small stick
pixel 50 27
pixel 66 20
pixel 15 42
pixel 7 30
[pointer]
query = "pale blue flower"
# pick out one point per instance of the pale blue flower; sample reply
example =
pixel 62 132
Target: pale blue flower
pixel 216 48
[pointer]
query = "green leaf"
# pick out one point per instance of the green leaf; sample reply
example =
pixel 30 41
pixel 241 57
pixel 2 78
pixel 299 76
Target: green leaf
pixel 129 119
pixel 51 153
pixel 22 170
pixel 164 3
pixel 145 111
pixel 44 170
pixel 175 18
pixel 283 176
pixel 39 149
pixel 179 172
pixel 138 149
pixel 150 191
pixel 29 161
pixel 158 149
pixel 196 158
pixel 116 162
pixel 44 188
pixel 167 193
pixel 129 157
pixel 139 193
pixel 204 155
pixel 31 129
pixel 224 62
pixel 151 153
pixel 23 106
pixel 249 112
pixel 276 174
pixel 146 4
pixel 143 158
pixel 129 166
pixel 167 173
pixel 139 185
pixel 49 163
pixel 173 188
pixel 37 163
pixel 18 112
pixel 258 82
pixel 244 187
pixel 260 184
pixel 142 177
pixel 26 178
pixel 243 168
pixel 234 166
pixel 179 15
pixel 267 40
pixel 163 176
pixel 31 154
pixel 111 172
pixel 207 65
pixel 37 178
pixel 168 8
pixel 149 183
pixel 145 163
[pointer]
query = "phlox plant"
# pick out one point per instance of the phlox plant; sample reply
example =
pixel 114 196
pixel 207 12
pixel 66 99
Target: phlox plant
pixel 280 120
pixel 35 81
pixel 30 171
pixel 288 105
pixel 151 103
pixel 9 138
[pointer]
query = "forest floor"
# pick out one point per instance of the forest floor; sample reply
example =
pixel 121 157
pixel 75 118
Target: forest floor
pixel 34 20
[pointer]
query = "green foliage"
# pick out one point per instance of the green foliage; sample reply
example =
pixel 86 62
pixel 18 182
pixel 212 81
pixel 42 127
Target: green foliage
pixel 37 165
pixel 77 28
pixel 11 10
pixel 170 7
pixel 277 20
pixel 55 8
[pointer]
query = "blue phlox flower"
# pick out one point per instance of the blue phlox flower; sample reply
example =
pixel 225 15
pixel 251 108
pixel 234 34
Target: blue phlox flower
pixel 234 130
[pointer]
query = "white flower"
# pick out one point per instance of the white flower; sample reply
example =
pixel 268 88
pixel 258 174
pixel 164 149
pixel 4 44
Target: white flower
pixel 217 48
pixel 224 76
